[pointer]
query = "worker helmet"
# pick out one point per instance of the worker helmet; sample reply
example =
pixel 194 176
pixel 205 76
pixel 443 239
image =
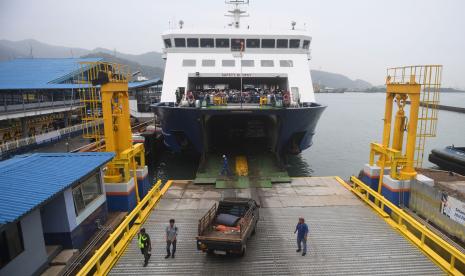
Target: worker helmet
pixel 224 156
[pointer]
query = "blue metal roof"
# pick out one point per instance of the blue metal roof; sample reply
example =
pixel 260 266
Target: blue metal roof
pixel 147 83
pixel 27 181
pixel 39 73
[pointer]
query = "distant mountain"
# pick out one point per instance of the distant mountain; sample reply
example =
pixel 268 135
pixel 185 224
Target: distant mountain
pixel 150 64
pixel 24 48
pixel 334 80
pixel 147 71
pixel 152 59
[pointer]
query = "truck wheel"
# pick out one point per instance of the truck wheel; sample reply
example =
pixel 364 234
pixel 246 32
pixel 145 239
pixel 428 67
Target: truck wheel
pixel 243 251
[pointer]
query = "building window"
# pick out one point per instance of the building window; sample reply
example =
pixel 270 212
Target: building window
pixel 267 63
pixel 11 243
pixel 236 44
pixel 294 43
pixel 253 43
pixel 247 63
pixel 207 42
pixel 268 43
pixel 306 44
pixel 86 192
pixel 193 42
pixel 167 43
pixel 282 43
pixel 222 43
pixel 188 62
pixel 228 63
pixel 286 63
pixel 179 42
pixel 208 62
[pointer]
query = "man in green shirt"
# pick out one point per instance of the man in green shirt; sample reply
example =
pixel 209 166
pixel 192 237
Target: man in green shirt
pixel 143 241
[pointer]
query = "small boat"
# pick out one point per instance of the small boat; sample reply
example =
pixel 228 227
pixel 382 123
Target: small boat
pixel 450 158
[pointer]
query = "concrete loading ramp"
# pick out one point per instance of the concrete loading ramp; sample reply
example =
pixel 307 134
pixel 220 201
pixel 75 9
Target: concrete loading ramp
pixel 346 237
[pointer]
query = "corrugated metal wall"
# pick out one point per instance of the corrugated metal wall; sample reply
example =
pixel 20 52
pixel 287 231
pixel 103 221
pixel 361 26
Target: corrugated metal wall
pixel 426 202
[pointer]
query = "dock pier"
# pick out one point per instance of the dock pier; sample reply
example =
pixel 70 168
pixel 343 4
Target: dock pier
pixel 346 237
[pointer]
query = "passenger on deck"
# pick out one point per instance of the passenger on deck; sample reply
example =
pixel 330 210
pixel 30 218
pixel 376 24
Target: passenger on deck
pixel 302 233
pixel 225 169
pixel 143 240
pixel 171 238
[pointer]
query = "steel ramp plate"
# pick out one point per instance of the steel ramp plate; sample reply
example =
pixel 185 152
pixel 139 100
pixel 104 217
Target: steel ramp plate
pixel 346 237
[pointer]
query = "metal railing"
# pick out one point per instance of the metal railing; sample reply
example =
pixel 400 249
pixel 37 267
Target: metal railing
pixel 25 107
pixel 17 144
pixel 108 254
pixel 447 257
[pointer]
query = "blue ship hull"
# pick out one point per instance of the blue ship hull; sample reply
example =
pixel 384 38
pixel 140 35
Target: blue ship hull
pixel 283 130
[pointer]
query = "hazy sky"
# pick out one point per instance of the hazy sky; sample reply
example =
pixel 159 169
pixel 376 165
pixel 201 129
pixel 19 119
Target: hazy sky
pixel 358 38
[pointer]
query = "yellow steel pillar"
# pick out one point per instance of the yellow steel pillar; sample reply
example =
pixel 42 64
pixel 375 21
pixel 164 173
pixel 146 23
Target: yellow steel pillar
pixel 116 121
pixel 388 119
pixel 399 124
pixel 408 171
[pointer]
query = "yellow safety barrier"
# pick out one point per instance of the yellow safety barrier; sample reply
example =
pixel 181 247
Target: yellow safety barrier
pixel 242 168
pixel 447 257
pixel 108 254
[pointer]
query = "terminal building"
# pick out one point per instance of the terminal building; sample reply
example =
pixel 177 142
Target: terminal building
pixel 48 202
pixel 40 101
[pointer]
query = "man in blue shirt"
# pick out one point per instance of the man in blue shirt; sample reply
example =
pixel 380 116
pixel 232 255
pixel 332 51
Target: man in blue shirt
pixel 302 233
pixel 225 170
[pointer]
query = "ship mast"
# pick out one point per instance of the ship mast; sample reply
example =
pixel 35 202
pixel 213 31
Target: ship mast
pixel 236 13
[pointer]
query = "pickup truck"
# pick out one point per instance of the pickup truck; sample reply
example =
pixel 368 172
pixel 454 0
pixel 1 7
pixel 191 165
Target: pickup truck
pixel 214 236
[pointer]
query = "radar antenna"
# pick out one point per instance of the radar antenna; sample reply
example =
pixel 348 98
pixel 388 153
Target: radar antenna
pixel 236 13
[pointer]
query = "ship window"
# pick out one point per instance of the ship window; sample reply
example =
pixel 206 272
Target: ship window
pixel 86 192
pixel 207 42
pixel 236 44
pixel 188 62
pixel 208 62
pixel 167 43
pixel 222 43
pixel 267 63
pixel 11 243
pixel 268 43
pixel 306 44
pixel 228 63
pixel 282 43
pixel 180 42
pixel 247 63
pixel 286 63
pixel 294 43
pixel 192 42
pixel 253 43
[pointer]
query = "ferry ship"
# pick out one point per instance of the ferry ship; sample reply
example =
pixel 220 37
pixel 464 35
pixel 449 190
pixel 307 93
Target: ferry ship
pixel 237 88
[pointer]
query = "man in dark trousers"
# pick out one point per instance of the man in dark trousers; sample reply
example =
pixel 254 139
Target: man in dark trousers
pixel 171 237
pixel 225 170
pixel 302 233
pixel 143 240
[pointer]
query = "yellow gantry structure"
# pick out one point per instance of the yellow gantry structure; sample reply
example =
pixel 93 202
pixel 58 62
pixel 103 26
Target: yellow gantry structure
pixel 112 106
pixel 409 83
